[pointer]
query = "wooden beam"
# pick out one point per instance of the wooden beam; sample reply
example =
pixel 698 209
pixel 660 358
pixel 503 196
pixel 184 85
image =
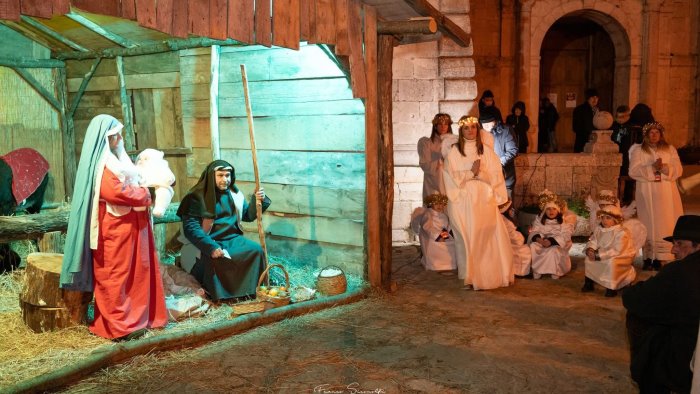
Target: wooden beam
pixel 357 65
pixel 198 17
pixel 407 39
pixel 83 86
pixel 241 20
pixel 15 228
pixel 40 8
pixel 164 16
pixel 51 33
pixel 218 19
pixel 263 23
pixel 445 25
pixel 45 94
pixel 214 102
pixel 385 55
pixel 161 47
pixel 180 28
pixel 67 131
pixel 372 158
pixel 420 26
pixel 177 151
pixel 23 62
pixel 95 28
pixel 342 44
pixel 127 116
pixel 9 9
pixel 285 24
pixel 325 21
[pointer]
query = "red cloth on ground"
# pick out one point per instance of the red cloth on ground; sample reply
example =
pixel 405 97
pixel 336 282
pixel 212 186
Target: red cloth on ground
pixel 28 170
pixel 128 286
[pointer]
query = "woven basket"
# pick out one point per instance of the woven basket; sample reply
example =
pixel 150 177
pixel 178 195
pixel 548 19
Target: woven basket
pixel 331 285
pixel 242 308
pixel 277 300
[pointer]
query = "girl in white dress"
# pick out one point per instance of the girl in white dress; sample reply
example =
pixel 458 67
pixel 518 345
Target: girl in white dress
pixel 475 188
pixel 609 253
pixel 655 165
pixel 436 237
pixel 550 238
pixel 430 156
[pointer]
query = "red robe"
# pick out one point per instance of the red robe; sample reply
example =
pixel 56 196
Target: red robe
pixel 128 287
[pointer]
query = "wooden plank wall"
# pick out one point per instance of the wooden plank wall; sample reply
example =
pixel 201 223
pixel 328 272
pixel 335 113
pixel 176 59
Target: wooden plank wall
pixel 310 141
pixel 153 85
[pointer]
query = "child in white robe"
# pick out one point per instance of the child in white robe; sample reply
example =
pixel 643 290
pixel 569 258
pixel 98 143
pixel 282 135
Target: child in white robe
pixel 522 256
pixel 609 254
pixel 550 238
pixel 435 235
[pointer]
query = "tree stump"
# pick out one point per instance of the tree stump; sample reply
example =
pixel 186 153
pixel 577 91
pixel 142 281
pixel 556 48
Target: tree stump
pixel 45 306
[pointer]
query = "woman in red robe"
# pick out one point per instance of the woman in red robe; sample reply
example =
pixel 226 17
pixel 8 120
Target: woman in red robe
pixel 110 247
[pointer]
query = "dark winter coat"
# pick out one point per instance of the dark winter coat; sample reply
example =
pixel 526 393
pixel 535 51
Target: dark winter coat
pixel 506 149
pixel 583 125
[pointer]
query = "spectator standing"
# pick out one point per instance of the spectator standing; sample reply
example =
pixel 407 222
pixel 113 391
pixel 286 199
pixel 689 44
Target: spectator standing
pixel 488 100
pixel 503 144
pixel 547 124
pixel 582 123
pixel 520 124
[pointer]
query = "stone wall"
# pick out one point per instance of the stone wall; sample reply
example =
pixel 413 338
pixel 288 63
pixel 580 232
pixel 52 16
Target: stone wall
pixel 428 78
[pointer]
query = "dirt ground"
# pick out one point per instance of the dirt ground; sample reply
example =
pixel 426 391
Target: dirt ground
pixel 431 335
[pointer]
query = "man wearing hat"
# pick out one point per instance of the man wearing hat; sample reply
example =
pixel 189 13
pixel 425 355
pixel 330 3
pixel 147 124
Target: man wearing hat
pixel 663 314
pixel 582 122
pixel 504 143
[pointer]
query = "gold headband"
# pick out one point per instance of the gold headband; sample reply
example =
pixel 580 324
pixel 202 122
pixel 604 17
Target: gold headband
pixel 547 197
pixel 608 198
pixel 653 125
pixel 466 120
pixel 442 118
pixel 436 198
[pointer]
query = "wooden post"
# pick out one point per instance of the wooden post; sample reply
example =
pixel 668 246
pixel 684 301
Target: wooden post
pixel 251 132
pixel 129 137
pixel 83 85
pixel 416 26
pixel 386 156
pixel 45 94
pixel 67 127
pixel 372 160
pixel 214 102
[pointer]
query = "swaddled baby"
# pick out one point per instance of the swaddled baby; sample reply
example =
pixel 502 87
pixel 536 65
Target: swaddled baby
pixel 155 172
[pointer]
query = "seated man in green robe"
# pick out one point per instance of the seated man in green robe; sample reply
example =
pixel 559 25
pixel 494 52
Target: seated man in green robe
pixel 215 251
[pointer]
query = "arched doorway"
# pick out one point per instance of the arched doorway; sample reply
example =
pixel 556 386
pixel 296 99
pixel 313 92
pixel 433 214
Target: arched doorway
pixel 538 18
pixel 576 53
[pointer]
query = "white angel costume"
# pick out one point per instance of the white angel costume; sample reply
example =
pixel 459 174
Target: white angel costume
pixel 555 259
pixel 658 202
pixel 522 256
pixel 637 229
pixel 436 240
pixel 615 248
pixel 482 244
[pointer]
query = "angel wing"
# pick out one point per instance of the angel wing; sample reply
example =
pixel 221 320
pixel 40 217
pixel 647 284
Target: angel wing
pixel 638 232
pixel 629 210
pixel 416 219
pixel 447 141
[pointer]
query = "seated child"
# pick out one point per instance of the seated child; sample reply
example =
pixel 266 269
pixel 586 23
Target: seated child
pixel 522 256
pixel 435 235
pixel 550 238
pixel 609 253
pixel 155 172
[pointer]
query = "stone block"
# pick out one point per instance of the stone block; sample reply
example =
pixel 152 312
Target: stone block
pixel 461 20
pixel 410 191
pixel 570 159
pixel 402 67
pixel 454 6
pixel 558 180
pixel 425 68
pixel 457 109
pixel 529 181
pixel 408 134
pixel 428 109
pixel 423 49
pixel 408 174
pixel 400 235
pixel 447 47
pixel 415 90
pixel 526 160
pixel 607 159
pixel 406 158
pixel 457 67
pixel 460 89
pixel 405 111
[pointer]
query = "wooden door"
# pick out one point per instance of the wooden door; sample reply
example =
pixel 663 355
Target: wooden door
pixel 563 72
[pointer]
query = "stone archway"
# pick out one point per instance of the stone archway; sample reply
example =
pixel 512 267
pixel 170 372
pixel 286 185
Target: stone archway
pixel 538 16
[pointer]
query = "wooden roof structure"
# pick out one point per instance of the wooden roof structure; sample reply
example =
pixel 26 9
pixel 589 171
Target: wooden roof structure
pixel 361 33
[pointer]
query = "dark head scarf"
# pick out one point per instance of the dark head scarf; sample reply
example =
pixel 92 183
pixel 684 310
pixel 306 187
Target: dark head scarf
pixel 200 201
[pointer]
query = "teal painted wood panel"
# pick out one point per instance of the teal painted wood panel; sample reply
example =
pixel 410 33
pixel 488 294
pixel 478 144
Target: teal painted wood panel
pixel 307 132
pixel 327 169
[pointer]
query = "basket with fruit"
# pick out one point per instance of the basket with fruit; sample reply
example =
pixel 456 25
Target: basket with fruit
pixel 277 295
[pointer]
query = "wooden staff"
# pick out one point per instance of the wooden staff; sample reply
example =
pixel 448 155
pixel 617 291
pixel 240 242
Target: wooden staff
pixel 251 131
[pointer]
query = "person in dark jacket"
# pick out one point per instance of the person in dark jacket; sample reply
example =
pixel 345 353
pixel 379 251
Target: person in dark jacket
pixel 504 144
pixel 520 124
pixel 663 314
pixel 639 116
pixel 546 125
pixel 583 119
pixel 622 135
pixel 488 101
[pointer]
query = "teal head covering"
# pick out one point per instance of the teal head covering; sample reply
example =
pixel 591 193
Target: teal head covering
pixel 76 272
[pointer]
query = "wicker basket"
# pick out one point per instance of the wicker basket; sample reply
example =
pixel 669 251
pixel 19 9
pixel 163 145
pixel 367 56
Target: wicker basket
pixel 277 300
pixel 245 307
pixel 331 285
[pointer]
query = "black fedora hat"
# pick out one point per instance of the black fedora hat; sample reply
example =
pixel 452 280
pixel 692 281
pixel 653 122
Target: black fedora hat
pixel 687 228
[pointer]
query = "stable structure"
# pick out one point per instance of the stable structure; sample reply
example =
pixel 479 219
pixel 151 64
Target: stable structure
pixel 321 89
